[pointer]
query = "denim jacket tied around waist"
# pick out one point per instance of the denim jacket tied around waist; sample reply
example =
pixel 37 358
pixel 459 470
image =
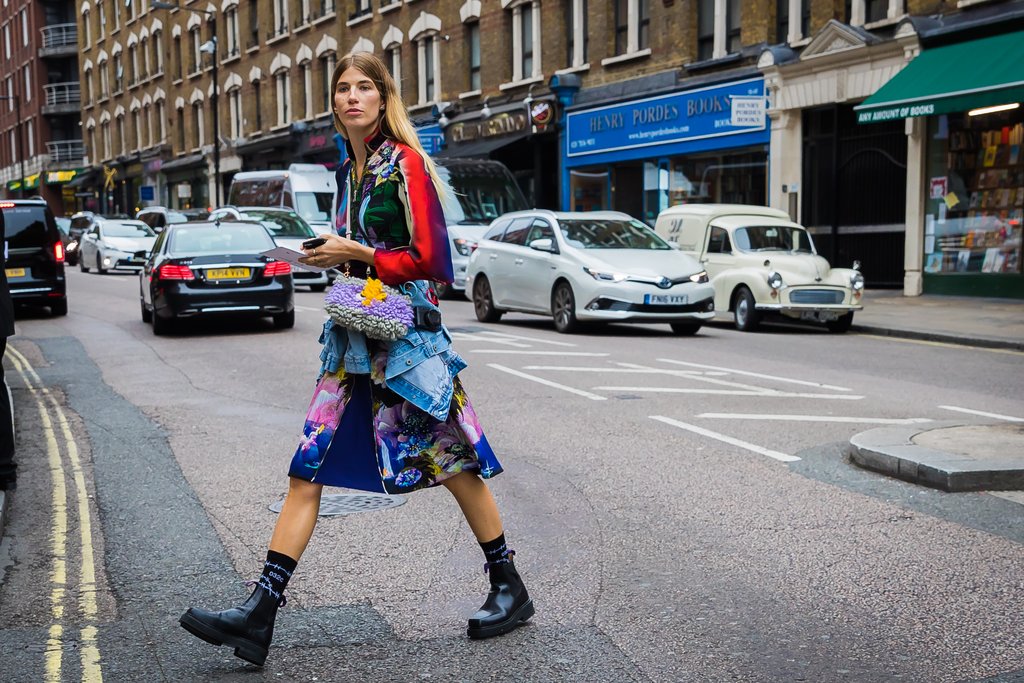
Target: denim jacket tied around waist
pixel 421 366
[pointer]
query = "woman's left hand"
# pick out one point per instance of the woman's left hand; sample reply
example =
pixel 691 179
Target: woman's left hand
pixel 335 251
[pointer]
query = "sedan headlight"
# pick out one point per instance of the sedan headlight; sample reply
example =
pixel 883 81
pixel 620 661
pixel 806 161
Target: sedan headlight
pixel 605 276
pixel 857 282
pixel 700 278
pixel 775 280
pixel 464 246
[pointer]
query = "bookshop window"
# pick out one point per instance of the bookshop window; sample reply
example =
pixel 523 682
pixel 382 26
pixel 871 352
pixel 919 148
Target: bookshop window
pixel 736 178
pixel 975 200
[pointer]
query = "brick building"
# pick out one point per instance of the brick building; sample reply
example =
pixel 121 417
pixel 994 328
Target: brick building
pixel 40 83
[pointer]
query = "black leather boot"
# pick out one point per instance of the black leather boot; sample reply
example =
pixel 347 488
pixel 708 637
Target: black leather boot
pixel 507 605
pixel 248 628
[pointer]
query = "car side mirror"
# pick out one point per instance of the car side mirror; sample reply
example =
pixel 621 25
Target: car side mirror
pixel 543 244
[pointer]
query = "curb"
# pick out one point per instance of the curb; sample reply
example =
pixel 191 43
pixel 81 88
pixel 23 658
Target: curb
pixel 891 451
pixel 981 342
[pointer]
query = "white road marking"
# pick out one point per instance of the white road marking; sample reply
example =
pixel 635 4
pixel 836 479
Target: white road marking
pixel 756 374
pixel 997 416
pixel 817 418
pixel 493 340
pixel 720 382
pixel 639 371
pixel 309 308
pixel 782 457
pixel 549 383
pixel 541 353
pixel 761 394
pixel 536 340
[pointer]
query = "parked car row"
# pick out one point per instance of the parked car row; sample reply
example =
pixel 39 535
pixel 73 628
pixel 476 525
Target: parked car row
pixel 700 259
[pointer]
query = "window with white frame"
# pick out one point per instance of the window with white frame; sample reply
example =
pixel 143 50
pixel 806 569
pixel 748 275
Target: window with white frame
pixel 147 115
pixel 393 59
pixel 526 40
pixel 28 82
pixel 632 26
pixel 122 138
pixel 304 10
pixel 231 19
pixel 24 27
pixel 30 129
pixel 89 92
pixel 283 86
pixel 93 152
pixel 473 50
pixel 280 17
pixel 162 120
pixel 146 63
pixel 87 34
pixel 131 10
pixel 860 12
pixel 118 73
pixel 792 20
pixel 578 43
pixel 306 82
pixel 360 8
pixel 326 71
pixel 257 104
pixel 197 124
pixel 235 108
pixel 116 11
pixel 181 130
pixel 101 14
pixel 133 64
pixel 7 41
pixel 718 28
pixel 104 80
pixel 10 94
pixel 193 55
pixel 157 41
pixel 107 147
pixel 427 49
pixel 137 125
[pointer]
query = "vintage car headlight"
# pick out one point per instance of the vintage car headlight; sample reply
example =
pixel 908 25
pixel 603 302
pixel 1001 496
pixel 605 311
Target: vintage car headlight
pixel 605 276
pixel 700 278
pixel 775 280
pixel 464 246
pixel 857 281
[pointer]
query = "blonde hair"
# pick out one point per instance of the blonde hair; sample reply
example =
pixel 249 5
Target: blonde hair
pixel 394 121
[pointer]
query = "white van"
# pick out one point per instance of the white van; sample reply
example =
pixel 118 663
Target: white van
pixel 309 189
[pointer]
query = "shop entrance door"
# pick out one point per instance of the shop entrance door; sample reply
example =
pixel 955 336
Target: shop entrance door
pixel 855 183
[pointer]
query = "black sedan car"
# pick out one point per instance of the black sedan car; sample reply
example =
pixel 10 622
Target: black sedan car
pixel 213 269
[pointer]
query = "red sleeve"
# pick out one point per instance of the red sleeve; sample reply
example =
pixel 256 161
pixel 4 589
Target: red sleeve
pixel 429 255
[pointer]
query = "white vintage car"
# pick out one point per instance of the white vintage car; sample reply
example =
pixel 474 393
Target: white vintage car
pixel 762 263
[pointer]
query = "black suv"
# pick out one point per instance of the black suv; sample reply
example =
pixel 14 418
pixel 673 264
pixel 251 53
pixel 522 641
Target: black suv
pixel 35 255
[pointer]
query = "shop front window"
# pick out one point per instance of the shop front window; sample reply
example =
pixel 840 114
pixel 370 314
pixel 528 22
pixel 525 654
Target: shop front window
pixel 588 190
pixel 975 200
pixel 718 178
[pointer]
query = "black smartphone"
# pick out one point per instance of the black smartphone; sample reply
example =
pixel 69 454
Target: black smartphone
pixel 314 243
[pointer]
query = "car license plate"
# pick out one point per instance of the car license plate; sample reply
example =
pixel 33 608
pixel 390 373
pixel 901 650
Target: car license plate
pixel 819 316
pixel 14 272
pixel 227 273
pixel 666 299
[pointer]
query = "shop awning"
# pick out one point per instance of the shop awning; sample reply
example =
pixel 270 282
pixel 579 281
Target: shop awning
pixel 952 78
pixel 480 148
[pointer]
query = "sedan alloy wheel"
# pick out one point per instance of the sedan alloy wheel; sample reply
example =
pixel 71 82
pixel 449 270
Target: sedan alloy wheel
pixel 483 301
pixel 563 309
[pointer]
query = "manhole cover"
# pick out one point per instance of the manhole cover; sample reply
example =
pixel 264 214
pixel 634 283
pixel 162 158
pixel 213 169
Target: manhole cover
pixel 349 503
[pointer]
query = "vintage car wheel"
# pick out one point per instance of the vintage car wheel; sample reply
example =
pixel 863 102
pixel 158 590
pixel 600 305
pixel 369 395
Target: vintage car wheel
pixel 563 309
pixel 744 311
pixel 841 325
pixel 686 329
pixel 483 302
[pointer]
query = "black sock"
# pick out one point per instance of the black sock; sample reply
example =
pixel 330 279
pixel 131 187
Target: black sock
pixel 496 551
pixel 276 571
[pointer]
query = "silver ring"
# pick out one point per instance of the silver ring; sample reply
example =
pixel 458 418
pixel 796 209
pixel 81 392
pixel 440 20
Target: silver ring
pixel 314 251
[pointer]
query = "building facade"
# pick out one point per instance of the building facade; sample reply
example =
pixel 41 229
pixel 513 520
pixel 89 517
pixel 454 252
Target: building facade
pixel 41 148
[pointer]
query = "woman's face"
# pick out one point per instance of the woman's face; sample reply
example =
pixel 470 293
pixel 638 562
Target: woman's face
pixel 357 101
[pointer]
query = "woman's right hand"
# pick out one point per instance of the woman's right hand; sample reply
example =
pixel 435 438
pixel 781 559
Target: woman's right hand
pixel 335 251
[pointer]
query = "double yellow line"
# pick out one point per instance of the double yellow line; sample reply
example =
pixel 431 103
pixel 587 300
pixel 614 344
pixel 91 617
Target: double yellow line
pixel 88 648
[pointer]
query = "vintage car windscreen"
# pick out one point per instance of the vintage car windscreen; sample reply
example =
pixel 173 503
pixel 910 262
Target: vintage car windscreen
pixel 606 233
pixel 773 238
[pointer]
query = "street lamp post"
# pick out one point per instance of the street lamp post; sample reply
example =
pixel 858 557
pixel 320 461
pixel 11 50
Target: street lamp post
pixel 17 137
pixel 210 47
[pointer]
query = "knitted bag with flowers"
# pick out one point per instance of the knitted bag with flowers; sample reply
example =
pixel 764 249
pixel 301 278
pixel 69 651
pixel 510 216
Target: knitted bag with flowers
pixel 369 306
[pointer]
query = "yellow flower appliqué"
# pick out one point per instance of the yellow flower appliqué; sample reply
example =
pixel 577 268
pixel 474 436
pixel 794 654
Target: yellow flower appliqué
pixel 374 290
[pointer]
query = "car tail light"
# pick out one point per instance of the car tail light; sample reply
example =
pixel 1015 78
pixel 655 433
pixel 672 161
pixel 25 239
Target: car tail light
pixel 6 205
pixel 275 268
pixel 170 271
pixel 58 252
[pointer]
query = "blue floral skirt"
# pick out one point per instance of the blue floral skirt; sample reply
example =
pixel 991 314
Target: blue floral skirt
pixel 359 434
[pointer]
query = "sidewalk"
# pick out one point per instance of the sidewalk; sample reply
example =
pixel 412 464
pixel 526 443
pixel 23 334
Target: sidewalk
pixel 950 456
pixel 992 323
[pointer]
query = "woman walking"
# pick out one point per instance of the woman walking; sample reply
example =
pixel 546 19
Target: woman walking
pixel 386 416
